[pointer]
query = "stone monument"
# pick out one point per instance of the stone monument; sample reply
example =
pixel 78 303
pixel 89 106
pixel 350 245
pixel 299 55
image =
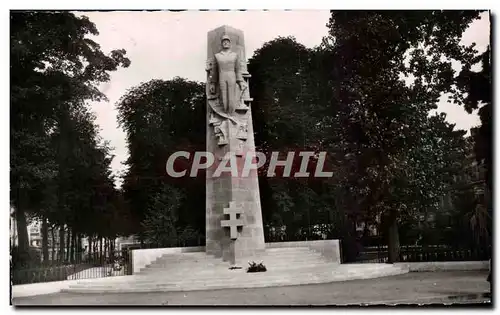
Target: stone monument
pixel 234 228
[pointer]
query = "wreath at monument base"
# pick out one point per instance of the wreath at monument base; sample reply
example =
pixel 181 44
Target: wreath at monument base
pixel 256 267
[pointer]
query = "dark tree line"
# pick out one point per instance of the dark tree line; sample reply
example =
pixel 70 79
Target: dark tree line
pixel 160 118
pixel 60 168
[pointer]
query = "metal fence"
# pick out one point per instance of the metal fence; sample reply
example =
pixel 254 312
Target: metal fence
pixel 424 254
pixel 84 266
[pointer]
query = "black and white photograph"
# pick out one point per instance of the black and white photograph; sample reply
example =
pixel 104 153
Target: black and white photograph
pixel 244 157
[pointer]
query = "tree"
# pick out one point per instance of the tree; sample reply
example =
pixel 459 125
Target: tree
pixel 55 68
pixel 477 95
pixel 160 223
pixel 80 198
pixel 383 117
pixel 477 88
pixel 289 115
pixel 430 171
pixel 160 118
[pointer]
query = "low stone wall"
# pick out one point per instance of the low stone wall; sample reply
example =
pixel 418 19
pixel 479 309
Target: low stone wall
pixel 446 266
pixel 330 249
pixel 143 257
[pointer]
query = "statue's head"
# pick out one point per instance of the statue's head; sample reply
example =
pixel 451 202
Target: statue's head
pixel 226 42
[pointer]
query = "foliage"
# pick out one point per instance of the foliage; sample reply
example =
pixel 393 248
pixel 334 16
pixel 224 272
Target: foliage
pixel 471 219
pixel 478 90
pixel 289 116
pixel 21 259
pixel 477 95
pixel 59 169
pixel 389 156
pixel 387 134
pixel 188 236
pixel 41 274
pixel 171 113
pixel 160 223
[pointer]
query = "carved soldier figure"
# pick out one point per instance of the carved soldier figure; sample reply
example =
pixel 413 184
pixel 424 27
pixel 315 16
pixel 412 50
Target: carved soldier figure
pixel 228 69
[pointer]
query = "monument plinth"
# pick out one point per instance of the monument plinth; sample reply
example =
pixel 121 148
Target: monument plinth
pixel 234 227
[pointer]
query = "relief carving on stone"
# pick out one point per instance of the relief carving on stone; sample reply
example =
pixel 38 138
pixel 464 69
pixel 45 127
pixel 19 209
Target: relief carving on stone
pixel 226 87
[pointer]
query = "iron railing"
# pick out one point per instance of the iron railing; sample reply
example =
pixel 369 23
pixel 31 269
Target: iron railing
pixel 83 266
pixel 424 254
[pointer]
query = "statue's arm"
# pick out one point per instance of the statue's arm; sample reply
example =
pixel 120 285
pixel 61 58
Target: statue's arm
pixel 238 69
pixel 211 69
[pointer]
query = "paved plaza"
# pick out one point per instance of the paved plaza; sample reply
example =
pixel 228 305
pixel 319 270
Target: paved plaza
pixel 420 288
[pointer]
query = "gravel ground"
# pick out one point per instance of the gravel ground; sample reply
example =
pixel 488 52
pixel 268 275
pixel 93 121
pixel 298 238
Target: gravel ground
pixel 413 288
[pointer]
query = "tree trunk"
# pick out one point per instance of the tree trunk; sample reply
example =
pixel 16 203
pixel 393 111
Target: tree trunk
pixel 53 247
pixel 91 247
pixel 79 247
pixel 23 243
pixel 350 247
pixel 108 247
pixel 45 240
pixel 61 244
pixel 393 240
pixel 141 238
pixel 73 247
pixel 68 243
pixel 105 246
pixel 100 248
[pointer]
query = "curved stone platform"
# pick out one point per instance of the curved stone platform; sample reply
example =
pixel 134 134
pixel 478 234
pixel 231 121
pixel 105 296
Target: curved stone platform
pixel 197 271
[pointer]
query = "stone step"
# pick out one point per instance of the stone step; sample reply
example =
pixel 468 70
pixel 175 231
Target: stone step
pixel 270 266
pixel 199 256
pixel 224 274
pixel 288 250
pixel 298 253
pixel 259 280
pixel 311 270
pixel 173 261
pixel 266 256
pixel 182 275
pixel 286 255
pixel 306 266
pixel 184 262
pixel 187 257
pixel 272 260
pixel 253 279
pixel 186 265
pixel 199 281
pixel 265 260
pixel 325 275
pixel 198 271
pixel 289 258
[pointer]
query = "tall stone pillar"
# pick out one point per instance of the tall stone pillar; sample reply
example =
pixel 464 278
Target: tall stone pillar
pixel 234 227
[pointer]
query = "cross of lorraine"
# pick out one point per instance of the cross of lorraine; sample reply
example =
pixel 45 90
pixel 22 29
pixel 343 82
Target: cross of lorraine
pixel 234 221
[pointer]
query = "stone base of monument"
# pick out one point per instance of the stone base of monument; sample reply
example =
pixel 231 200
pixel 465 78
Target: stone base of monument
pixel 286 266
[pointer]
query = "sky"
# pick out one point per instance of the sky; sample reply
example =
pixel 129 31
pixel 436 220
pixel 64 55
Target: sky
pixel 164 45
